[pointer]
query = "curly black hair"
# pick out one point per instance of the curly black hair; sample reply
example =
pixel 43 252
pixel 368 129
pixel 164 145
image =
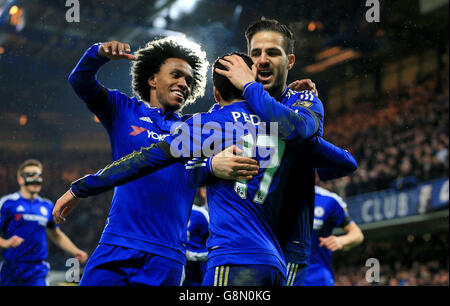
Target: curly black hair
pixel 150 58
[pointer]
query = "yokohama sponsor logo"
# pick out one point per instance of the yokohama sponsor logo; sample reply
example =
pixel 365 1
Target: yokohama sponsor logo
pixel 40 219
pixel 156 136
pixel 150 134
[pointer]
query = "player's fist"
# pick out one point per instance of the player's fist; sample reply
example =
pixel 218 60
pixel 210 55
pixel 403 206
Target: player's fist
pixel 116 50
pixel 305 84
pixel 13 242
pixel 332 243
pixel 81 256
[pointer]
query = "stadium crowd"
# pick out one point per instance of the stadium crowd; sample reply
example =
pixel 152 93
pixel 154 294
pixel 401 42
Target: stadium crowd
pixel 398 145
pixel 404 261
pixel 401 143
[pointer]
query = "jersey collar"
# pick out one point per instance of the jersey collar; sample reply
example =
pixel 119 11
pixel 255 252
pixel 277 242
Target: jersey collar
pixel 26 199
pixel 165 116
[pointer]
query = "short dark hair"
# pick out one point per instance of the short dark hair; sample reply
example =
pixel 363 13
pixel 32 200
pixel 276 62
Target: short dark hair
pixel 27 163
pixel 150 58
pixel 224 86
pixel 271 25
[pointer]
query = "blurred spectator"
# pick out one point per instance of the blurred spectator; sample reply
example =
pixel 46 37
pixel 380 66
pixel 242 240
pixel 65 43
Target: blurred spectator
pixel 60 169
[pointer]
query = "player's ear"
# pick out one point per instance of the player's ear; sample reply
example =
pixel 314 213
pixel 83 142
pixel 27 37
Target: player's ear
pixel 20 180
pixel 217 95
pixel 291 61
pixel 152 81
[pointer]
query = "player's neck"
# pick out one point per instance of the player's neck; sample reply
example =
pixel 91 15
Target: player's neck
pixel 27 194
pixel 154 102
pixel 278 91
pixel 225 103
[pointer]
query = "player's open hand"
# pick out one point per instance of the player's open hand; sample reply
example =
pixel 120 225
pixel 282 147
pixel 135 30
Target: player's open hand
pixel 64 206
pixel 237 71
pixel 228 165
pixel 305 84
pixel 116 50
pixel 332 243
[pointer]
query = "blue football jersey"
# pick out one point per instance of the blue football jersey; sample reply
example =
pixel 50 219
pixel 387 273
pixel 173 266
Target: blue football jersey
pixel 240 226
pixel 197 233
pixel 294 223
pixel 151 213
pixel 28 219
pixel 330 212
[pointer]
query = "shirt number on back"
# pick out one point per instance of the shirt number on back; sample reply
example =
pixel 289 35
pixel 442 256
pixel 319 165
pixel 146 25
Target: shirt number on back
pixel 262 141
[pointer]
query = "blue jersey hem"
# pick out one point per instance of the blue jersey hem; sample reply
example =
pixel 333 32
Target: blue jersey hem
pixel 296 258
pixel 146 246
pixel 245 257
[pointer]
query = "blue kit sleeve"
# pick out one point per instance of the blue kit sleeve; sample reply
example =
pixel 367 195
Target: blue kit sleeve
pixel 125 170
pixel 331 161
pixel 199 172
pixel 82 78
pixel 301 123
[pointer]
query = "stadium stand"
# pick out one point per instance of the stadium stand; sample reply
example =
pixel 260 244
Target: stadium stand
pixel 406 261
pixel 410 131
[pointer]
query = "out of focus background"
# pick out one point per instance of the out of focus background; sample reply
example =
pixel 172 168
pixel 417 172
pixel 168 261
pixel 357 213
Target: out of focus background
pixel 383 79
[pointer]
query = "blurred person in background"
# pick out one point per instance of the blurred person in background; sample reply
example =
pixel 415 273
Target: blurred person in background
pixel 25 223
pixel 197 235
pixel 330 211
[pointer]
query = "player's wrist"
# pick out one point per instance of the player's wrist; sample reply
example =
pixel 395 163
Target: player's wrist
pixel 73 193
pixel 98 52
pixel 341 241
pixel 3 243
pixel 247 84
pixel 210 166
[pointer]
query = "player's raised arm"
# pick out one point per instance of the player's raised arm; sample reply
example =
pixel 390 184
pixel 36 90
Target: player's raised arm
pixel 82 77
pixel 300 123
